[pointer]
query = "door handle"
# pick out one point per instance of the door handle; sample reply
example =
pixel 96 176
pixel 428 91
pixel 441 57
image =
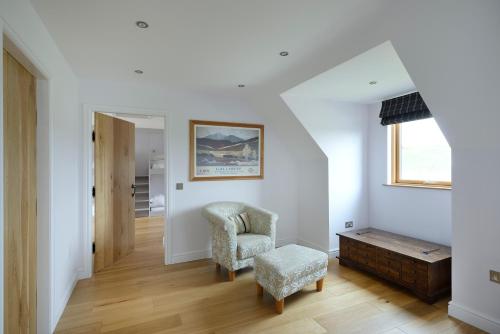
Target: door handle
pixel 133 190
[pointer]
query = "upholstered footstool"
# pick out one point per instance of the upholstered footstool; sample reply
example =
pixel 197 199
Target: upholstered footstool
pixel 286 270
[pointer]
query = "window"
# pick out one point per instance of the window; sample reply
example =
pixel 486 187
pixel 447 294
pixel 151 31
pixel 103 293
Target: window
pixel 421 155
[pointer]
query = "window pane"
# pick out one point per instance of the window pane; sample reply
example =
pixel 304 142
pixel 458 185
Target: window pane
pixel 425 154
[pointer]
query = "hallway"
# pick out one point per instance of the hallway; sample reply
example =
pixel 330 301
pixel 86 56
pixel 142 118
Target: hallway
pixel 148 246
pixel 108 287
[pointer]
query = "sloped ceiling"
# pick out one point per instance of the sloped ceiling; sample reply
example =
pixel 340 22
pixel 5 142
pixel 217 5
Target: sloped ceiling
pixel 371 77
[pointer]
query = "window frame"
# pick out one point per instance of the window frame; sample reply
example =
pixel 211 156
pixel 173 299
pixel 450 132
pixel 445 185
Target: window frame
pixel 396 179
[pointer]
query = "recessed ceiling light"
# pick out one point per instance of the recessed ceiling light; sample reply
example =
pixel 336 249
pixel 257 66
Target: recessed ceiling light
pixel 142 24
pixel 138 71
pixel 372 82
pixel 284 53
pixel 241 85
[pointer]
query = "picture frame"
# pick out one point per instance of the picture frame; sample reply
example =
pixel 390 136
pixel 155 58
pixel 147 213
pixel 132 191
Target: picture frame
pixel 225 151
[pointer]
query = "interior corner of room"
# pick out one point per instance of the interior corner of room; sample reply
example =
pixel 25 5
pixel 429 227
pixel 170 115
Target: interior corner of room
pixel 377 127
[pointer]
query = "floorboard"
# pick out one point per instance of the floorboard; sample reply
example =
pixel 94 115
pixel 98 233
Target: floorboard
pixel 141 295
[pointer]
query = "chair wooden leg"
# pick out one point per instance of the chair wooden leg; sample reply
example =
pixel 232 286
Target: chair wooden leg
pixel 280 305
pixel 319 285
pixel 217 266
pixel 232 275
pixel 260 290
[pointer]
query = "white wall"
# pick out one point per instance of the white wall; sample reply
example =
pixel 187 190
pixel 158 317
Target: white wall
pixel 308 169
pixel 453 61
pixel 313 229
pixel 476 228
pixel 416 212
pixel 356 146
pixel 59 134
pixel 277 192
pixel 459 83
pixel 340 129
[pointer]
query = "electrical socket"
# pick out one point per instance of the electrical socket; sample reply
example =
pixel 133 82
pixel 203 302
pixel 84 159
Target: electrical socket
pixel 495 276
pixel 179 186
pixel 349 224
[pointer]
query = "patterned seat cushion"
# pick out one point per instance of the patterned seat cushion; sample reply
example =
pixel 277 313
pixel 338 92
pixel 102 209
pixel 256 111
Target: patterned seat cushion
pixel 288 269
pixel 249 245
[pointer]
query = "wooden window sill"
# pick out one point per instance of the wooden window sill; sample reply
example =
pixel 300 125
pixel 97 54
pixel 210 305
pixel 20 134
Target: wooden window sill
pixel 425 186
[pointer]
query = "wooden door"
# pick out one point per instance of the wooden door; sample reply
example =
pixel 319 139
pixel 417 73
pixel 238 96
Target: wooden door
pixel 19 117
pixel 114 159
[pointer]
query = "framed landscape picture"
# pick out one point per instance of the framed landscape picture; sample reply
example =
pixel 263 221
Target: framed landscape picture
pixel 225 151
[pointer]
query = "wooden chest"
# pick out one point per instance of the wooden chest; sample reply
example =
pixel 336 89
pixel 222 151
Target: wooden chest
pixel 421 266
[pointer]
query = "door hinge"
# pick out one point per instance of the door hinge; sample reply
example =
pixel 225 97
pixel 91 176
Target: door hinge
pixel 93 136
pixel 93 248
pixel 93 191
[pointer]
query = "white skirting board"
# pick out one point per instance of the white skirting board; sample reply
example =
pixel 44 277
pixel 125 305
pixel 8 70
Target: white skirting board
pixel 285 241
pixel 59 308
pixel 469 316
pixel 191 256
pixel 206 254
pixel 333 253
pixel 313 245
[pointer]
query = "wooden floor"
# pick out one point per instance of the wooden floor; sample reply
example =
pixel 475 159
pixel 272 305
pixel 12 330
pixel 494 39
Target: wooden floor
pixel 141 295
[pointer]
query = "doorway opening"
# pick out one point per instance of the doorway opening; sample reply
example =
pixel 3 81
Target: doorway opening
pixel 127 215
pixel 150 190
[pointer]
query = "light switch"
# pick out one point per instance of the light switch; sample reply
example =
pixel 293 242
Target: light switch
pixel 495 276
pixel 179 186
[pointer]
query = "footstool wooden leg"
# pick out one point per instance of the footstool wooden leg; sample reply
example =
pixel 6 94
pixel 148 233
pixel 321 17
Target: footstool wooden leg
pixel 280 305
pixel 260 290
pixel 232 275
pixel 319 285
pixel 217 266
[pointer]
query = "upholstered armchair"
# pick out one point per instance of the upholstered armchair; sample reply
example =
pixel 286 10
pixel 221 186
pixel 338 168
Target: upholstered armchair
pixel 235 251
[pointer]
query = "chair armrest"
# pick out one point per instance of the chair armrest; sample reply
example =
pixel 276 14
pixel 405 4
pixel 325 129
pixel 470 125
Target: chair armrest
pixel 263 221
pixel 224 241
pixel 216 219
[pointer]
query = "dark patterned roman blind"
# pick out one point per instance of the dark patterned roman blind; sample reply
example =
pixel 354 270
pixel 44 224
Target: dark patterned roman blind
pixel 404 108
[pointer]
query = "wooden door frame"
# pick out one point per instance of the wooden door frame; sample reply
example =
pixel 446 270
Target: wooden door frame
pixel 88 179
pixel 46 317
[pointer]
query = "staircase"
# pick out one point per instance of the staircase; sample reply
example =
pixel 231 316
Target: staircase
pixel 142 196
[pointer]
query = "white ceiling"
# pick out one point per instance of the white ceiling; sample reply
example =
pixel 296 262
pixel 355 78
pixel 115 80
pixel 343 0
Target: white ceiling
pixel 349 81
pixel 195 43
